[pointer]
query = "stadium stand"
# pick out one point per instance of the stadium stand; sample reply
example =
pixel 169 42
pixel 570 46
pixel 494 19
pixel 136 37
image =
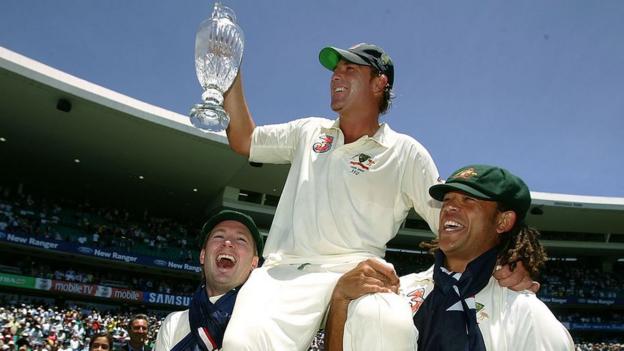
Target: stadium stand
pixel 115 191
pixel 45 327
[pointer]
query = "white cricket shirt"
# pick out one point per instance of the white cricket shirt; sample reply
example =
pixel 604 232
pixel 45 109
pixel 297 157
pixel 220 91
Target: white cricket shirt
pixel 342 203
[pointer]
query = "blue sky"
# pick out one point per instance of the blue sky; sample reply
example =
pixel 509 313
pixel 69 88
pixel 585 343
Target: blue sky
pixel 534 86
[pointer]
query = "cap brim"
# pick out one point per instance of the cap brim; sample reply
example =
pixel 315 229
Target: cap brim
pixel 330 56
pixel 439 190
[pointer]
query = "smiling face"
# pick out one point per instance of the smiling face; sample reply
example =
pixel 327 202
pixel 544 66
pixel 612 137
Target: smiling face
pixel 228 257
pixel 469 227
pixel 352 86
pixel 138 331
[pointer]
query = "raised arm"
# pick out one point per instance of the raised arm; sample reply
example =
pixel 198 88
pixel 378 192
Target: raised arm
pixel 370 276
pixel 241 124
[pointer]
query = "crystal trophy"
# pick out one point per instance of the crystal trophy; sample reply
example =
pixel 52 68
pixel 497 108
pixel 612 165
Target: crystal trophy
pixel 218 52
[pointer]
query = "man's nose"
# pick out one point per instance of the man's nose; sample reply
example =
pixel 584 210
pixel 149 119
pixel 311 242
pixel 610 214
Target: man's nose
pixel 450 206
pixel 337 75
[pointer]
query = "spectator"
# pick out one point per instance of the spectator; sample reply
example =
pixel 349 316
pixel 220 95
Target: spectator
pixel 138 330
pixel 101 342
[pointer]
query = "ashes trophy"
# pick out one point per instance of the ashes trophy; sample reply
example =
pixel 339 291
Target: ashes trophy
pixel 218 52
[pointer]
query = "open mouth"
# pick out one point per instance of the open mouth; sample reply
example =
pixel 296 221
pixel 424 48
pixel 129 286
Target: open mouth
pixel 452 226
pixel 225 261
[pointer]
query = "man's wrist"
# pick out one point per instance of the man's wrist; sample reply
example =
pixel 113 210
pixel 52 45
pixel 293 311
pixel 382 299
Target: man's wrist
pixel 338 299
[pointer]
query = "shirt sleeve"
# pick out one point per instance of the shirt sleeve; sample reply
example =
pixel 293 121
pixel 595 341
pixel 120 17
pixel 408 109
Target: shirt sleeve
pixel 420 174
pixel 276 143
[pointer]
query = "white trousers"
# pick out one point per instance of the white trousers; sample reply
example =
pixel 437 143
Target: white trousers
pixel 380 322
pixel 281 307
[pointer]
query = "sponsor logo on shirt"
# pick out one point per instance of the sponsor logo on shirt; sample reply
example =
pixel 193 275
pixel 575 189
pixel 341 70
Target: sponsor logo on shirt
pixel 416 298
pixel 324 144
pixel 361 163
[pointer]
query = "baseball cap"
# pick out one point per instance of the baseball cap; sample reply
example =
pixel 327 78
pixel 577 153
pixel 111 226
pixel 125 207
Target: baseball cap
pixel 487 183
pixel 361 54
pixel 229 215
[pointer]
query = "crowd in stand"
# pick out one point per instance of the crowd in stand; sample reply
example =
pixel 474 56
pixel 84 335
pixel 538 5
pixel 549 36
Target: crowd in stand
pixel 96 226
pixel 581 279
pixel 26 327
pixel 35 267
pixel 602 346
pixel 607 316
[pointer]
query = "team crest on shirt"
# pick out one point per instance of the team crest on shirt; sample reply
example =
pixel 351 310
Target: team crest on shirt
pixel 481 314
pixel 324 144
pixel 361 163
pixel 416 298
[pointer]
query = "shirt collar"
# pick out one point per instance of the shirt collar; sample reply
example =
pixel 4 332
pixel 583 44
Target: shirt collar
pixel 384 136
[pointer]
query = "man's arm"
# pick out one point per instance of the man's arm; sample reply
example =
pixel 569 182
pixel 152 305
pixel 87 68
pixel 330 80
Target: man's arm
pixel 370 276
pixel 241 124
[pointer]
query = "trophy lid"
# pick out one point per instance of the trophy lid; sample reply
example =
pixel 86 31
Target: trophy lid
pixel 220 11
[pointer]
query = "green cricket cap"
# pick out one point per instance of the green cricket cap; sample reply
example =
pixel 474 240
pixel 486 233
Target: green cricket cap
pixel 361 54
pixel 488 183
pixel 230 215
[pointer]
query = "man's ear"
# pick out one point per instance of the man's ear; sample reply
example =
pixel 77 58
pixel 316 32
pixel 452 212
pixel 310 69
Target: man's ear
pixel 380 83
pixel 505 221
pixel 254 262
pixel 202 256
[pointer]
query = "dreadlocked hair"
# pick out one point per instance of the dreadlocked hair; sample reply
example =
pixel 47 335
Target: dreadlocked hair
pixel 431 246
pixel 522 244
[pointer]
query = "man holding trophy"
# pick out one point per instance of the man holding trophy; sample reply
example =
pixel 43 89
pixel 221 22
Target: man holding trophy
pixel 351 184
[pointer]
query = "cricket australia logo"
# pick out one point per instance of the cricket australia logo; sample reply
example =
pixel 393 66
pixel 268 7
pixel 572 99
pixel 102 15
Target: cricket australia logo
pixel 416 298
pixel 466 173
pixel 324 144
pixel 361 163
pixel 481 314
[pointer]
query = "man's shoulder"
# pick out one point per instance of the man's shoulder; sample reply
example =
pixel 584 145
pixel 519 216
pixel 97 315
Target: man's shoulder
pixel 314 122
pixel 174 318
pixel 403 141
pixel 526 305
pixel 305 124
pixel 522 299
pixel 309 121
pixel 419 279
